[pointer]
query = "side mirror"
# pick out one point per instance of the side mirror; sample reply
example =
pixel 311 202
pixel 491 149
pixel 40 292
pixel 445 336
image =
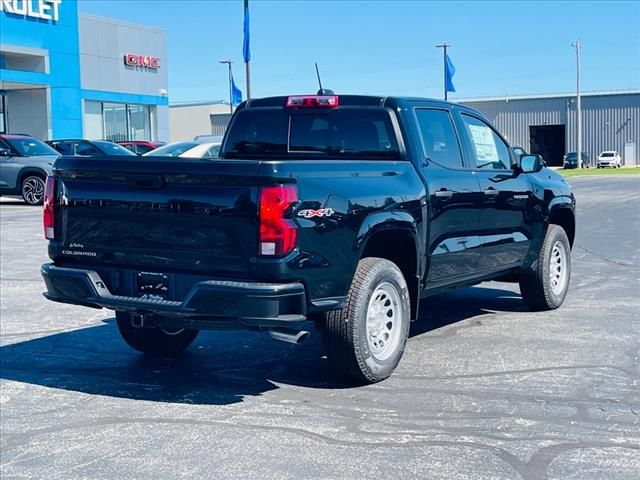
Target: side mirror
pixel 4 152
pixel 531 163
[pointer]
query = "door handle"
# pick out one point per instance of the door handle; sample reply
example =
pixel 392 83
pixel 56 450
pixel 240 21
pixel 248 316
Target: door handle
pixel 443 193
pixel 491 191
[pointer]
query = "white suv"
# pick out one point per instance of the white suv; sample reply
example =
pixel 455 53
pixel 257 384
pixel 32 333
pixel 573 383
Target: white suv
pixel 609 158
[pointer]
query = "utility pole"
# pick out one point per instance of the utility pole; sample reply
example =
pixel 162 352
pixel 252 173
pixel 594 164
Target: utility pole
pixel 229 62
pixel 444 46
pixel 578 46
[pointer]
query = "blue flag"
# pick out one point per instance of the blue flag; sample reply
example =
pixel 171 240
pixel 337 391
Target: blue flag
pixel 246 52
pixel 449 72
pixel 236 93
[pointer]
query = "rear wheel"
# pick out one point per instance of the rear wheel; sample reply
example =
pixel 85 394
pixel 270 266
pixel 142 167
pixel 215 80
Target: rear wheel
pixel 154 341
pixel 32 189
pixel 545 288
pixel 366 339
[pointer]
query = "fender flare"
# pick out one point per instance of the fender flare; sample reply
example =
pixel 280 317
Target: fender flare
pixel 27 171
pixel 382 221
pixel 378 222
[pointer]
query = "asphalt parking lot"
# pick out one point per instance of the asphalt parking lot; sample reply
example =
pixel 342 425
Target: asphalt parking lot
pixel 486 389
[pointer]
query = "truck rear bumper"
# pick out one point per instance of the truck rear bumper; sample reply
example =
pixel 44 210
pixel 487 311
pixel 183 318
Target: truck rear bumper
pixel 214 301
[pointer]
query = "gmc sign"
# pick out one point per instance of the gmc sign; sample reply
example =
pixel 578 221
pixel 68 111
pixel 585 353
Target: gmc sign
pixel 141 61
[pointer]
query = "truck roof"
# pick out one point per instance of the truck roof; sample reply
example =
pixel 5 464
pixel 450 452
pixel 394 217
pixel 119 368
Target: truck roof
pixel 356 101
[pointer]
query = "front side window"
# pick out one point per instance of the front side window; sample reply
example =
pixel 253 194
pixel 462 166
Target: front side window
pixel 488 149
pixel 439 137
pixel 109 148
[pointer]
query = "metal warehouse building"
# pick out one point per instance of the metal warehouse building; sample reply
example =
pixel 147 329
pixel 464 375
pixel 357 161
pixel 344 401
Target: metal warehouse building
pixel 546 124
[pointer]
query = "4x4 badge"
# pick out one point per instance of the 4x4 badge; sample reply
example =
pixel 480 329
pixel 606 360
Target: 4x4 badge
pixel 321 212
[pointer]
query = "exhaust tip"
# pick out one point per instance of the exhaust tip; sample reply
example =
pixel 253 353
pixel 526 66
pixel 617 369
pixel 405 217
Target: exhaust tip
pixel 288 335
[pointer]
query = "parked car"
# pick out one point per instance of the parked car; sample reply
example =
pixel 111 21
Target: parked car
pixel 140 147
pixel 345 211
pixel 609 158
pixel 187 150
pixel 203 150
pixel 208 138
pixel 171 149
pixel 89 148
pixel 25 163
pixel 570 160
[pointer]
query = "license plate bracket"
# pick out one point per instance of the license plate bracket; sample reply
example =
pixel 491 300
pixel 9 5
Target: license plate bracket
pixel 152 285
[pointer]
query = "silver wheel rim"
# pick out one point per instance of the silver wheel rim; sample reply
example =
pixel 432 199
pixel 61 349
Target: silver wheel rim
pixel 558 268
pixel 384 321
pixel 33 190
pixel 171 332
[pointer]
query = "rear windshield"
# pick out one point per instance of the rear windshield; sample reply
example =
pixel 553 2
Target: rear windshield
pixel 331 133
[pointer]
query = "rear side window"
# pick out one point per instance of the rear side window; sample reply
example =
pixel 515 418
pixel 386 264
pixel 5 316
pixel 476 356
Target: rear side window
pixel 334 133
pixel 86 149
pixel 488 149
pixel 439 137
pixel 64 148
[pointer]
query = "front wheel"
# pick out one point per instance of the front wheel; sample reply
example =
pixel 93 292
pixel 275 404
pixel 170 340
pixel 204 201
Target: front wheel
pixel 365 340
pixel 32 190
pixel 545 287
pixel 154 341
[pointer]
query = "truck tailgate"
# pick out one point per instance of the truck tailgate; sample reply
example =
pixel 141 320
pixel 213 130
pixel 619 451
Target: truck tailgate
pixel 157 213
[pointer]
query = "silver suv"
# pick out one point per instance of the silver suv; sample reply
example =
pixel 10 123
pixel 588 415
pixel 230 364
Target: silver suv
pixel 25 163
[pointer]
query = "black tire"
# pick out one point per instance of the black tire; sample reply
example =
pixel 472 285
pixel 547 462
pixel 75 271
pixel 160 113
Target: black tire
pixel 153 341
pixel 536 286
pixel 32 189
pixel 345 333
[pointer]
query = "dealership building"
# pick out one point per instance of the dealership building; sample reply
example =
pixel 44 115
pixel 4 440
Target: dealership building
pixel 546 124
pixel 70 75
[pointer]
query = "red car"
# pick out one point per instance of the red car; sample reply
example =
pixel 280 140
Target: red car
pixel 141 146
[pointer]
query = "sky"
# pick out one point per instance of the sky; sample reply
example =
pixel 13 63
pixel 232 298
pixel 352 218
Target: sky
pixel 499 48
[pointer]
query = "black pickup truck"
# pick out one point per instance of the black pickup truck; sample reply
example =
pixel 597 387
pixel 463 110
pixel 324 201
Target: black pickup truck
pixel 342 210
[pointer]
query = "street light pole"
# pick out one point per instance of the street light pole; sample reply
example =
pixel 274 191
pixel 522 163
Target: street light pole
pixel 444 46
pixel 577 46
pixel 229 62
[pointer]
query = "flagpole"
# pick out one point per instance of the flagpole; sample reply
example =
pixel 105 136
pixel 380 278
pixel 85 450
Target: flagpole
pixel 248 74
pixel 246 53
pixel 444 46
pixel 229 62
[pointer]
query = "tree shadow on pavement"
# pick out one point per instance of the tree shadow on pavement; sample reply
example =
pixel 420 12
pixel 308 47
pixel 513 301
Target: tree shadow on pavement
pixel 220 367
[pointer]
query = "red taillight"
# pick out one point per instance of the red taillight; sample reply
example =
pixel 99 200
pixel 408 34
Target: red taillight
pixel 278 234
pixel 49 213
pixel 312 101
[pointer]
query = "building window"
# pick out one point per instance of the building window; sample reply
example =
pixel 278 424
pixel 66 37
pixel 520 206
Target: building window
pixel 139 122
pixel 93 120
pixel 3 114
pixel 117 122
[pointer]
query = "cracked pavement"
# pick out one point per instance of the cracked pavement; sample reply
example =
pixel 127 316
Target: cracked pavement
pixel 486 389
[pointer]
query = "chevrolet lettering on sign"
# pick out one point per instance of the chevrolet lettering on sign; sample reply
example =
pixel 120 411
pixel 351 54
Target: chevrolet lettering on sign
pixel 141 61
pixel 43 9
